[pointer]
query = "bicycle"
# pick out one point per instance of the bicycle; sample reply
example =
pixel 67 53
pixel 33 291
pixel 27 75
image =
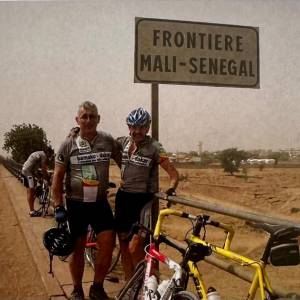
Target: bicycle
pixel 43 193
pixel 144 282
pixel 281 249
pixel 91 250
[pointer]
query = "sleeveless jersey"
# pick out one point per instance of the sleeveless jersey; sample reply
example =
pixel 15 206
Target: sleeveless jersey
pixel 87 166
pixel 35 160
pixel 139 170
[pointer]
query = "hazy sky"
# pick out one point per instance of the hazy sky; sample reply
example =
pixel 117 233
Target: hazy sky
pixel 55 55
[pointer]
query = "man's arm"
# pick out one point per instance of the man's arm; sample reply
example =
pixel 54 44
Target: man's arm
pixel 117 153
pixel 172 172
pixel 57 184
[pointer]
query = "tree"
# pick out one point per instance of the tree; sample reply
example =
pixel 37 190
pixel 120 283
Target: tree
pixel 24 139
pixel 231 159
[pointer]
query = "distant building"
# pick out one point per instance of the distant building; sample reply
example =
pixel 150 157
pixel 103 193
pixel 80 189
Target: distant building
pixel 260 161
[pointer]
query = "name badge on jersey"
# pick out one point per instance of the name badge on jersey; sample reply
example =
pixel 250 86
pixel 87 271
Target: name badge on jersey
pixel 140 160
pixel 90 158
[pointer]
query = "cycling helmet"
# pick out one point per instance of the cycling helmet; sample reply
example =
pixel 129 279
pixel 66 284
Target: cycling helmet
pixel 138 117
pixel 58 241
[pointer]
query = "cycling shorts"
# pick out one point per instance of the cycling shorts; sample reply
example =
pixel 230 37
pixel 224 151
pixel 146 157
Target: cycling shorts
pixel 82 214
pixel 131 208
pixel 28 181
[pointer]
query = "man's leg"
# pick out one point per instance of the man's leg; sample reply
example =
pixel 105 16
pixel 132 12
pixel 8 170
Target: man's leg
pixel 30 198
pixel 136 249
pixel 125 255
pixel 77 262
pixel 105 245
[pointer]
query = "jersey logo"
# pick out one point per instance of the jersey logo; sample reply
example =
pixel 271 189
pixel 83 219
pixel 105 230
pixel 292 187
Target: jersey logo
pixel 140 160
pixel 90 158
pixel 83 145
pixel 60 157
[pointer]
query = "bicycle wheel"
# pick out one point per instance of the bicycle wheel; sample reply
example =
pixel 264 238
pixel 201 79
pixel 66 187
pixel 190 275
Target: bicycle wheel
pixel 45 202
pixel 185 295
pixel 132 288
pixel 90 252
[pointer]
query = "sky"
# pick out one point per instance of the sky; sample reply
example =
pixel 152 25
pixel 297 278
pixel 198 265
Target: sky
pixel 55 55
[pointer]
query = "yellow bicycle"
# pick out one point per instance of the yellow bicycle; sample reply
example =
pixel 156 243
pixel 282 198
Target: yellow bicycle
pixel 282 249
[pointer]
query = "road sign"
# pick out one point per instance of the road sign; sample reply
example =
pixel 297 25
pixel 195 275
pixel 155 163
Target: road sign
pixel 184 52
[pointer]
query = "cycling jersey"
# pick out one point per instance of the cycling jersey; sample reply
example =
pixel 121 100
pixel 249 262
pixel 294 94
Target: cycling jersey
pixel 87 166
pixel 35 160
pixel 139 169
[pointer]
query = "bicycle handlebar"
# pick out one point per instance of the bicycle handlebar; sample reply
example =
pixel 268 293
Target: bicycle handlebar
pixel 201 221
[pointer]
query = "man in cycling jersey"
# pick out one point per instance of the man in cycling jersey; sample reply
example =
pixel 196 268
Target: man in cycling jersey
pixel 36 160
pixel 84 158
pixel 141 157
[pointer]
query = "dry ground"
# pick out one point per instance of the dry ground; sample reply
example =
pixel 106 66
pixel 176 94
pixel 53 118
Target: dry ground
pixel 273 191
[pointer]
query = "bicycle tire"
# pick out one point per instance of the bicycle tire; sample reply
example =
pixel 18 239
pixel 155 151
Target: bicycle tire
pixel 185 295
pixel 90 254
pixel 131 289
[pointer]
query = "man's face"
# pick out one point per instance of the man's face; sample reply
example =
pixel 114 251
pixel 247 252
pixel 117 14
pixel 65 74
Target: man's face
pixel 87 120
pixel 138 134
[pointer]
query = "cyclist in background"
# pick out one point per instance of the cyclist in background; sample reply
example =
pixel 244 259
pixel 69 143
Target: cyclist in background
pixel 84 157
pixel 141 157
pixel 36 160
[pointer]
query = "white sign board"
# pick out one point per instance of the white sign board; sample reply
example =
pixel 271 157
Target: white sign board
pixel 182 52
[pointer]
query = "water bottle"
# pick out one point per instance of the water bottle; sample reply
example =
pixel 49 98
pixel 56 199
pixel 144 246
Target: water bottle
pixel 212 294
pixel 151 285
pixel 163 287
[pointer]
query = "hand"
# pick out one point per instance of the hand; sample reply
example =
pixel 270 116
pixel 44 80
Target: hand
pixel 170 192
pixel 60 214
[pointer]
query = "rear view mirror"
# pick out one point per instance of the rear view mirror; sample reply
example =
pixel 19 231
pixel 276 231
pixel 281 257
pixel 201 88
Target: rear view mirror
pixel 285 253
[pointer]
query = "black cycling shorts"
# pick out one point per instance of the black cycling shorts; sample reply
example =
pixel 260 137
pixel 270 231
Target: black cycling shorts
pixel 128 209
pixel 82 214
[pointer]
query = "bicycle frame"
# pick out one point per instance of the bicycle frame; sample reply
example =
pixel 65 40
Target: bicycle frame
pixel 151 256
pixel 45 198
pixel 148 267
pixel 260 278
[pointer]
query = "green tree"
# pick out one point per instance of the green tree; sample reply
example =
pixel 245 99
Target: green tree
pixel 24 139
pixel 231 159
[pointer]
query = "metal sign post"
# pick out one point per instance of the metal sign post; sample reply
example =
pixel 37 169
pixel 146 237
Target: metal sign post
pixel 155 135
